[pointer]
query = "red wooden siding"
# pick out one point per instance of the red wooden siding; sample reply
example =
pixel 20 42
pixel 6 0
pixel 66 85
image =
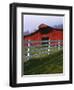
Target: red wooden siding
pixel 53 34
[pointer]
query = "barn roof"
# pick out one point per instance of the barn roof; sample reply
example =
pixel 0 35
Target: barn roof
pixel 42 27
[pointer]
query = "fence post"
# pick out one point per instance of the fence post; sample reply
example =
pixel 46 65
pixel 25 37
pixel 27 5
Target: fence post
pixel 28 54
pixel 49 47
pixel 58 44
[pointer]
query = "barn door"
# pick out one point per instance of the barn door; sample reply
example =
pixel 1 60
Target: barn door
pixel 45 41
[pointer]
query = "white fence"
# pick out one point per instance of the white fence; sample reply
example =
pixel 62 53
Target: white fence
pixel 39 48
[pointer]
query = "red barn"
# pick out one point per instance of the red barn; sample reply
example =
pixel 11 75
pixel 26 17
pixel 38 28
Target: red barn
pixel 45 32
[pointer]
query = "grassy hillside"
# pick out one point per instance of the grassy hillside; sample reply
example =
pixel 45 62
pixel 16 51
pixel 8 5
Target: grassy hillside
pixel 47 65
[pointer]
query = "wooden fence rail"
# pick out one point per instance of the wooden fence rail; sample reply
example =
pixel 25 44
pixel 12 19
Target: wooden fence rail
pixel 38 48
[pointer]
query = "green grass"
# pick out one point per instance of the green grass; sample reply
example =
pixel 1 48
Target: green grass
pixel 50 64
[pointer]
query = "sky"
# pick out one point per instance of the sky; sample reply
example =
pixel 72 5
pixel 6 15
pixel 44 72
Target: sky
pixel 31 22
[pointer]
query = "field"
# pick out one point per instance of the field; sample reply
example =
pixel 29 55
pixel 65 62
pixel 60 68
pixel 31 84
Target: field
pixel 49 64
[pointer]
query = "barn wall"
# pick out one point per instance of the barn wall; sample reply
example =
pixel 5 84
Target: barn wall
pixel 52 35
